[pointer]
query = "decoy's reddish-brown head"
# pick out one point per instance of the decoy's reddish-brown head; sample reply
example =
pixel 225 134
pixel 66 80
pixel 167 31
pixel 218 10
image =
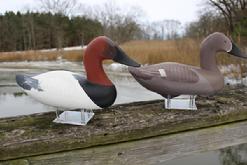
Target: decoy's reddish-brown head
pixel 104 48
pixel 99 49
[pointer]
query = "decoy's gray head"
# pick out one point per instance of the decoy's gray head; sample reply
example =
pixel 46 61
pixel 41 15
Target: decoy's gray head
pixel 103 48
pixel 220 42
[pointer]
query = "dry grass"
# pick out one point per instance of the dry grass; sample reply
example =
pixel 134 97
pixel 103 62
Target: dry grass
pixel 145 52
pixel 183 51
pixel 72 55
pixel 27 56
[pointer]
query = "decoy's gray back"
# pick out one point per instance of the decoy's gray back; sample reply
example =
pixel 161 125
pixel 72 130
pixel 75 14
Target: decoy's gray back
pixel 171 79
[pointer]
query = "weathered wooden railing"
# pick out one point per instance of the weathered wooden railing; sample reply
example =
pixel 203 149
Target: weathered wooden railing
pixel 33 135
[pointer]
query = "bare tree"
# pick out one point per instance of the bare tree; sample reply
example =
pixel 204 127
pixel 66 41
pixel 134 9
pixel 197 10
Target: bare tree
pixel 207 23
pixel 232 10
pixel 64 7
pixel 165 29
pixel 118 23
pixel 171 28
pixel 151 30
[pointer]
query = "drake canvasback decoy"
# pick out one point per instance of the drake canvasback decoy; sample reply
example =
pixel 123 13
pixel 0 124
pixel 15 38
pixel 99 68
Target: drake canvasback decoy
pixel 68 90
pixel 171 79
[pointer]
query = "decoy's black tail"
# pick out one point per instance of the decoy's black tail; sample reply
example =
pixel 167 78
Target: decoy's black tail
pixel 27 82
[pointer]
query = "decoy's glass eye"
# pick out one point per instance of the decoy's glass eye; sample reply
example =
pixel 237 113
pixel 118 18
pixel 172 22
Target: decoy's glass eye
pixel 225 41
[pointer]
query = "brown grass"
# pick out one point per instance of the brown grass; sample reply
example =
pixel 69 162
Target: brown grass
pixel 145 52
pixel 27 56
pixel 151 52
pixel 72 55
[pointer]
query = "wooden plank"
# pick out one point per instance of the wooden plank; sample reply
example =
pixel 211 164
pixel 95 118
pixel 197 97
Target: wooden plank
pixel 151 151
pixel 36 134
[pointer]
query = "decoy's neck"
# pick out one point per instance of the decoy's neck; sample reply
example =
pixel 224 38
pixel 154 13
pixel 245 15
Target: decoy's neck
pixel 94 69
pixel 208 56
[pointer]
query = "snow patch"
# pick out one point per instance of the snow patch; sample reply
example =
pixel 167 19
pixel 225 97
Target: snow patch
pixel 65 49
pixel 117 67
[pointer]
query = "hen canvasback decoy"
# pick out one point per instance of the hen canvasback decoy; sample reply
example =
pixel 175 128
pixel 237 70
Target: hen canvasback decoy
pixel 171 79
pixel 68 90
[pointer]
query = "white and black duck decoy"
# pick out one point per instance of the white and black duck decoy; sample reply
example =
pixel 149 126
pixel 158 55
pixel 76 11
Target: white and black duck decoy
pixel 171 79
pixel 68 91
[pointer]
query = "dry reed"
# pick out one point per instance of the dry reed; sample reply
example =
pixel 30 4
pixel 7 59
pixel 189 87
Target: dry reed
pixel 183 51
pixel 145 52
pixel 71 55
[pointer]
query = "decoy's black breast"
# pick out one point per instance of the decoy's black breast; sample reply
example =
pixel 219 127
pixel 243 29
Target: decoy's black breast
pixel 103 96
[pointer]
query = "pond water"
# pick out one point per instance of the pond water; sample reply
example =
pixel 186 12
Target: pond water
pixel 14 102
pixel 233 155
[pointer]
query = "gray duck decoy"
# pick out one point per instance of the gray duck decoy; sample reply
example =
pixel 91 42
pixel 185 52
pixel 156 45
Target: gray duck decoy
pixel 171 79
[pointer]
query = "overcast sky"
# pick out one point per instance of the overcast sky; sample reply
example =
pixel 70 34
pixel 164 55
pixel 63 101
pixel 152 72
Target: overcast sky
pixel 155 10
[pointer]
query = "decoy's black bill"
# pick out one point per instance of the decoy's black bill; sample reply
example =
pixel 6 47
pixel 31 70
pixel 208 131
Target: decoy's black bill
pixel 237 52
pixel 123 58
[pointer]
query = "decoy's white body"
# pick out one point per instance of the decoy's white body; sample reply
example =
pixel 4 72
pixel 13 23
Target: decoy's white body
pixel 61 89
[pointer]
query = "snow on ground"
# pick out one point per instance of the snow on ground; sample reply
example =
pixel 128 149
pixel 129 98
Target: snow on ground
pixel 66 48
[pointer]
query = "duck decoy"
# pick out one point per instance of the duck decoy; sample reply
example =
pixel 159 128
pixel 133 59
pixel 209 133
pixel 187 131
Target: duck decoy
pixel 66 90
pixel 170 79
